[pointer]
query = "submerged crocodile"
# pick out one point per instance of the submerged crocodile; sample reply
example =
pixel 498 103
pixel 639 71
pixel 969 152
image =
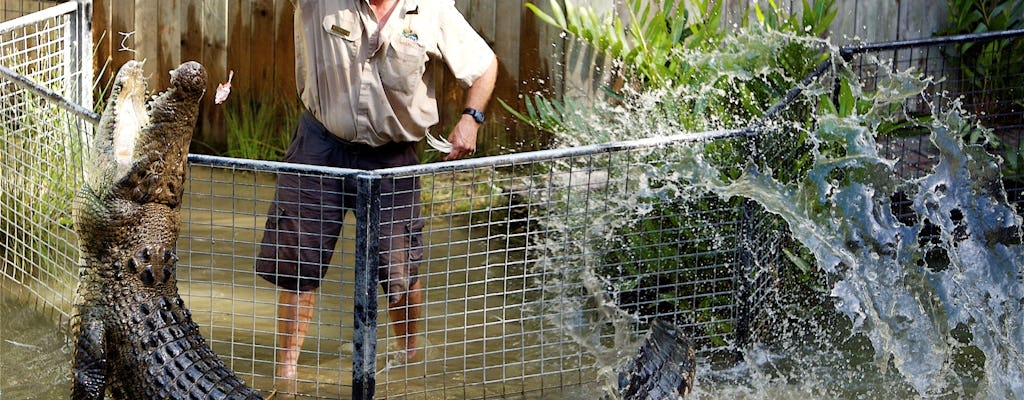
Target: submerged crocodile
pixel 664 367
pixel 133 334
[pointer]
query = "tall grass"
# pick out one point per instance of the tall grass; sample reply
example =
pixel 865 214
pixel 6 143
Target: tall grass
pixel 40 171
pixel 41 147
pixel 260 128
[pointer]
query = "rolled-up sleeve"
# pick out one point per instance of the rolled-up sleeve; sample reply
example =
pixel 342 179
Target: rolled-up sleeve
pixel 463 49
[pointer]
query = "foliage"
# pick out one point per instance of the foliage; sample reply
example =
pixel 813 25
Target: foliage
pixel 991 70
pixel 260 128
pixel 41 164
pixel 676 65
pixel 709 76
pixel 678 241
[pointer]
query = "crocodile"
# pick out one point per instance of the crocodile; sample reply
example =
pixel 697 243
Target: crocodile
pixel 663 368
pixel 133 335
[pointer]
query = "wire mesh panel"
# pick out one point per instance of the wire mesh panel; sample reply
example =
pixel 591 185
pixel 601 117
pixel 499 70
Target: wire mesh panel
pixel 40 158
pixel 224 219
pixel 540 274
pixel 981 74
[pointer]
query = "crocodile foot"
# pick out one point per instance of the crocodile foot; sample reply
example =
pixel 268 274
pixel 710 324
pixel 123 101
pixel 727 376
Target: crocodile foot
pixel 153 264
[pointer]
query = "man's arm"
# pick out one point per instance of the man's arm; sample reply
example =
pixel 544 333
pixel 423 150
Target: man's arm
pixel 463 136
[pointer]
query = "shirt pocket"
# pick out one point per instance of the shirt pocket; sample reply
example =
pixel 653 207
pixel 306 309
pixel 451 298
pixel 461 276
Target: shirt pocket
pixel 343 25
pixel 403 66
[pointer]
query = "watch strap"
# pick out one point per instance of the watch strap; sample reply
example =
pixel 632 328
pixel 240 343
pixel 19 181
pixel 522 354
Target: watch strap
pixel 477 115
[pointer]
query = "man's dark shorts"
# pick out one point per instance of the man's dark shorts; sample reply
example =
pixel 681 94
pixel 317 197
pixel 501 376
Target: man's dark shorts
pixel 305 220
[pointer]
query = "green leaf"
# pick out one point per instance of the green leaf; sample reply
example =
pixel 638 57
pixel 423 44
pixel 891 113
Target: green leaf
pixel 559 15
pixel 846 100
pixel 800 263
pixel 547 19
pixel 825 104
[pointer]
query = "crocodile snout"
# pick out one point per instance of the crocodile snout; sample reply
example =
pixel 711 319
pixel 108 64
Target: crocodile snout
pixel 189 77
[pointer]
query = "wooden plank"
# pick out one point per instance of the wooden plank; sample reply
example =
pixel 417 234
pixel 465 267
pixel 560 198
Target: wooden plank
pixel 284 49
pixel 169 40
pixel 261 44
pixel 921 18
pixel 103 42
pixel 505 41
pixel 482 15
pixel 191 15
pixel 147 38
pixel 844 26
pixel 122 28
pixel 211 135
pixel 877 21
pixel 541 70
pixel 239 46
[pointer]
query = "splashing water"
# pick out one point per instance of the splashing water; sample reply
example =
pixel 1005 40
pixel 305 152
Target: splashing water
pixel 918 312
pixel 906 307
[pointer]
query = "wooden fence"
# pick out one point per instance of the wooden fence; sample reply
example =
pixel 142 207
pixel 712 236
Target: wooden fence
pixel 11 9
pixel 254 38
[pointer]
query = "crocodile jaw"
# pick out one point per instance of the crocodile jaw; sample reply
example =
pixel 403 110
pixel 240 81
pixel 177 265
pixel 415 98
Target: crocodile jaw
pixel 140 136
pixel 130 114
pixel 135 166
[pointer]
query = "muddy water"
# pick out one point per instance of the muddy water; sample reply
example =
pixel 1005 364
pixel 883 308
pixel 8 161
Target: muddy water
pixel 34 355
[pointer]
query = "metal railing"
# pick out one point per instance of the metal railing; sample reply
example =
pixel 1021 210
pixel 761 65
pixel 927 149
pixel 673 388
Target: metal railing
pixel 518 249
pixel 47 72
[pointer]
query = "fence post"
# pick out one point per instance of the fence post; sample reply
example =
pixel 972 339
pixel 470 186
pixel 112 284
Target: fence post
pixel 744 292
pixel 364 343
pixel 81 68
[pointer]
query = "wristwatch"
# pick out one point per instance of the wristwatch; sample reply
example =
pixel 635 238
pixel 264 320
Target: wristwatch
pixel 477 115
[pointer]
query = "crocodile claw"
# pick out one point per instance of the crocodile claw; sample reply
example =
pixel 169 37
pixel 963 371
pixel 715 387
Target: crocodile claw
pixel 153 264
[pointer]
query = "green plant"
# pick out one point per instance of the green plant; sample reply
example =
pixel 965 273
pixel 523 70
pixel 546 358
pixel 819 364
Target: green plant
pixel 677 67
pixel 677 241
pixel 991 70
pixel 708 77
pixel 41 172
pixel 260 128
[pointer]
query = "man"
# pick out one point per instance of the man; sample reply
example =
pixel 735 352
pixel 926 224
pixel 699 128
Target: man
pixel 363 75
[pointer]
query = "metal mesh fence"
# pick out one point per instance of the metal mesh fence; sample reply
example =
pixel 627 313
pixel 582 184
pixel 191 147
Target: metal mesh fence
pixel 523 251
pixel 223 218
pixel 39 168
pixel 981 73
pixel 533 271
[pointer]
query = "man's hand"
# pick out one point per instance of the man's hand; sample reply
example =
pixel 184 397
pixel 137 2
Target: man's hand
pixel 463 138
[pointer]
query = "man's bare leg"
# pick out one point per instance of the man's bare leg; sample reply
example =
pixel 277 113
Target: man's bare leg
pixel 294 313
pixel 405 319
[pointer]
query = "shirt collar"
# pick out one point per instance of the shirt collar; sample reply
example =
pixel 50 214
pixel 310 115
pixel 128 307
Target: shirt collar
pixel 412 6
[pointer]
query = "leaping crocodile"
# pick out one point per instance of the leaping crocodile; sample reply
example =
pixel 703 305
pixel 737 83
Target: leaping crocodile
pixel 133 334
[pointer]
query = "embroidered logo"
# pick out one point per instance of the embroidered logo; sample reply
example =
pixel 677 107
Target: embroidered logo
pixel 409 34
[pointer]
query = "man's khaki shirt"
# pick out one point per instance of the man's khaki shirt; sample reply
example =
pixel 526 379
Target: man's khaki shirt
pixel 375 88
